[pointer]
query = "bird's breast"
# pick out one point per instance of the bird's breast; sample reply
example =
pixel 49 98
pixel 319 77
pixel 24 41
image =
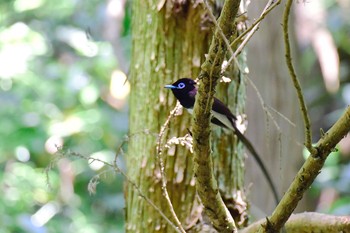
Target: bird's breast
pixel 190 110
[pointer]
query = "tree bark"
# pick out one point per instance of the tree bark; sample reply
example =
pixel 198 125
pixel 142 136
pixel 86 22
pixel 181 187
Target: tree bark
pixel 169 42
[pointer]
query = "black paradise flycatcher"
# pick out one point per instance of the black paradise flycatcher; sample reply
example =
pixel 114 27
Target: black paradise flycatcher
pixel 185 91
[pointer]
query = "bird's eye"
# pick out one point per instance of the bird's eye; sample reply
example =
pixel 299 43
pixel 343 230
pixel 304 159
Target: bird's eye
pixel 181 85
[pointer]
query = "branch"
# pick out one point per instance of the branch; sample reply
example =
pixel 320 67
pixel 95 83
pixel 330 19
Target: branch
pixel 251 30
pixel 206 184
pixel 269 7
pixel 307 174
pixel 308 137
pixel 62 153
pixel 162 168
pixel 309 222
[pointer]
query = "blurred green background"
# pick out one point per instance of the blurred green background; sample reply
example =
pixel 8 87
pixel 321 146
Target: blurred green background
pixel 61 84
pixel 63 67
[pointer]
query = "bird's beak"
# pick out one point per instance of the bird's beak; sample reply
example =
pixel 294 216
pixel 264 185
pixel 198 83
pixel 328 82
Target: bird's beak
pixel 170 86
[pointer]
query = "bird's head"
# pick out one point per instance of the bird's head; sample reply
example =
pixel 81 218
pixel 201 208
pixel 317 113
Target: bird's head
pixel 184 90
pixel 182 86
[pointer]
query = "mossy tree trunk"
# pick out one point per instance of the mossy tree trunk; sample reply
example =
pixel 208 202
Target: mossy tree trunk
pixel 170 39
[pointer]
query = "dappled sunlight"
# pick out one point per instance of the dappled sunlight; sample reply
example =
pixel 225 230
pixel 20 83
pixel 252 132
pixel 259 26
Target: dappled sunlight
pixel 52 143
pixel 78 39
pixel 119 89
pixel 19 44
pixel 24 5
pixel 329 59
pixel 120 86
pixel 22 153
pixel 44 214
pixel 96 163
pixel 68 127
pixel 89 95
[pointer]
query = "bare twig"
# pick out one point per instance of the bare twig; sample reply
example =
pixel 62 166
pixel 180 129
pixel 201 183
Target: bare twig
pixel 268 113
pixel 162 167
pixel 164 127
pixel 267 9
pixel 61 153
pixel 263 104
pixel 251 30
pixel 303 108
pixel 282 116
pixel 149 201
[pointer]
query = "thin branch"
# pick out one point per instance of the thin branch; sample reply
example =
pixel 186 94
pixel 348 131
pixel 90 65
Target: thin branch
pixel 149 201
pixel 307 174
pixel 263 105
pixel 165 126
pixel 267 9
pixel 303 108
pixel 251 30
pixel 268 114
pixel 282 116
pixel 162 167
pixel 61 153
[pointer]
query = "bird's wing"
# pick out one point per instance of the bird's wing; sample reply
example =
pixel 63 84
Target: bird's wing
pixel 221 108
pixel 222 116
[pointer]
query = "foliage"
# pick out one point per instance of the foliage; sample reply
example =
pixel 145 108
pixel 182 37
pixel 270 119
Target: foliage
pixel 55 90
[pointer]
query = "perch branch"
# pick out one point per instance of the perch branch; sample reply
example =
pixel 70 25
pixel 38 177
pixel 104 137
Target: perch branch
pixel 307 174
pixel 206 184
pixel 309 222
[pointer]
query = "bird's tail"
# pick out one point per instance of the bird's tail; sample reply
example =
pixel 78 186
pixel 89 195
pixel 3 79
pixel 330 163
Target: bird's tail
pixel 257 158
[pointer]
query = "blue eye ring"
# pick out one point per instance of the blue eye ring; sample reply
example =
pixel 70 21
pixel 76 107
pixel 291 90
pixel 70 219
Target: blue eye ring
pixel 181 86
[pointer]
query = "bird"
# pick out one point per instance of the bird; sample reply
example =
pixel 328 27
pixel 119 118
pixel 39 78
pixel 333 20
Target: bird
pixel 185 91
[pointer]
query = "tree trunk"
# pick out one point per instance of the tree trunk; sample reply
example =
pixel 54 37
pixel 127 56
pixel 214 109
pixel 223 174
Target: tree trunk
pixel 169 42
